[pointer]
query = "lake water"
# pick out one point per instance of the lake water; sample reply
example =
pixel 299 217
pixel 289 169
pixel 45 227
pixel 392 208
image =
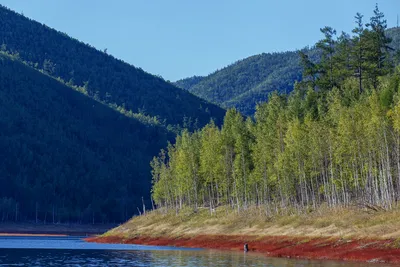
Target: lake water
pixel 73 251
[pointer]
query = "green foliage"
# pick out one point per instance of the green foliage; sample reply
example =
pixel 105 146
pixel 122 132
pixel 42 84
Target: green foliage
pixel 293 155
pixel 334 139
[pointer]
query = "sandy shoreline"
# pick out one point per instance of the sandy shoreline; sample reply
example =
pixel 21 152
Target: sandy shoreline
pixel 362 250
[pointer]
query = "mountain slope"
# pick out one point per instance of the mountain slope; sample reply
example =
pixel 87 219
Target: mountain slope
pixel 66 155
pixel 105 78
pixel 190 82
pixel 249 81
pixel 72 156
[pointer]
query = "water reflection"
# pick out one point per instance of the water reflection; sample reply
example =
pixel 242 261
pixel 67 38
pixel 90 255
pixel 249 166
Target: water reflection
pixel 227 258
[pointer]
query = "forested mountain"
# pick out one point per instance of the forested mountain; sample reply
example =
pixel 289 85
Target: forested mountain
pixel 105 77
pixel 188 83
pixel 249 81
pixel 66 157
pixel 78 128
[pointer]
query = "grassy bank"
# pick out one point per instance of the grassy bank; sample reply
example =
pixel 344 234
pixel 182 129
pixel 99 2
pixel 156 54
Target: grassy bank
pixel 338 222
pixel 339 234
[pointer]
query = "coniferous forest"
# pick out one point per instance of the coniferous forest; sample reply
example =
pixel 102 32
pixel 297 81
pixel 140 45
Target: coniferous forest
pixel 79 127
pixel 66 157
pixel 334 140
pixel 249 81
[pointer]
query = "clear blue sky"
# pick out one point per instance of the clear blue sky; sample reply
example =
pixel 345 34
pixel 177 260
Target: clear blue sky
pixel 182 38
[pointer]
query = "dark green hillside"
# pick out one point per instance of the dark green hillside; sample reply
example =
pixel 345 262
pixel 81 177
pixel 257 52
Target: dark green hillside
pixel 189 83
pixel 66 157
pixel 106 78
pixel 281 78
pixel 248 81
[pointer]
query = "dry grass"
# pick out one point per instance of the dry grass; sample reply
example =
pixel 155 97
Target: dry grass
pixel 338 222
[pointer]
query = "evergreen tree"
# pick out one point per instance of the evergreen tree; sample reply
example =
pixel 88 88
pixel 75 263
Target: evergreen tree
pixel 377 52
pixel 327 47
pixel 359 44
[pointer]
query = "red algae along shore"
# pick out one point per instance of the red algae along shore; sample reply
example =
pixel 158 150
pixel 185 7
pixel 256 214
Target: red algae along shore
pixel 363 250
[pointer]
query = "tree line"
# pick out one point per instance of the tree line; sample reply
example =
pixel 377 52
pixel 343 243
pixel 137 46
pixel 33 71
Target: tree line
pixel 334 140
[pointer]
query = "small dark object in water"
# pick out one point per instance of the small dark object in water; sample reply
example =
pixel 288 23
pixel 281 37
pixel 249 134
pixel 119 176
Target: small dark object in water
pixel 246 247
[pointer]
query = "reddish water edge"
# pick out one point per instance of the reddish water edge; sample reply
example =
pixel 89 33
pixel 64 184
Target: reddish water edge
pixel 365 250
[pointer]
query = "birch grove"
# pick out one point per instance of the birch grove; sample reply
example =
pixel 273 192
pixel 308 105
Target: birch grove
pixel 334 140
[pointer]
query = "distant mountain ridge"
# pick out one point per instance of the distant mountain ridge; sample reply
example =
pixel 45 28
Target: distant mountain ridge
pixel 247 82
pixel 105 77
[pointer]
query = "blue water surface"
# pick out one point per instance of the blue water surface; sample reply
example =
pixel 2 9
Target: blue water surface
pixel 74 251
